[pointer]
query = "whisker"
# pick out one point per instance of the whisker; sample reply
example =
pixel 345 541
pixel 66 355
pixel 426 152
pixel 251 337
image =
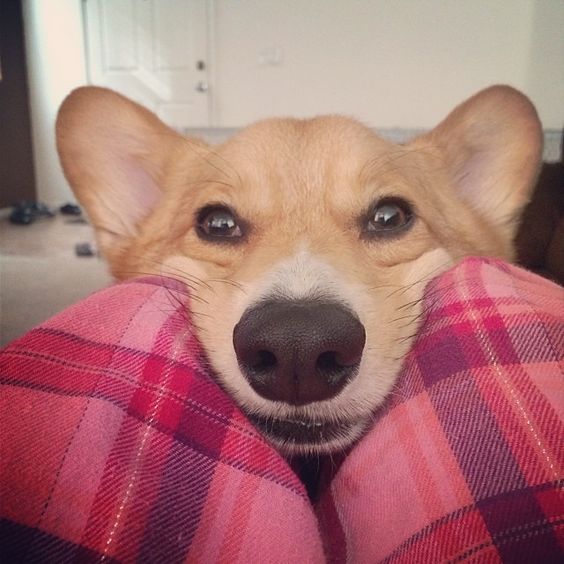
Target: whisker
pixel 176 270
pixel 410 304
pixel 187 277
pixel 423 279
pixel 404 339
pixel 229 282
pixel 192 295
pixel 380 286
pixel 207 149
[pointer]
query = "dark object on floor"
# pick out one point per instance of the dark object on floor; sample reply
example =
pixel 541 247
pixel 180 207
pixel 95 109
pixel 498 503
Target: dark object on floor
pixel 76 220
pixel 70 209
pixel 26 212
pixel 540 240
pixel 85 250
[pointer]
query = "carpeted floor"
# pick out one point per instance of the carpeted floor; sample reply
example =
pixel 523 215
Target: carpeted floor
pixel 39 272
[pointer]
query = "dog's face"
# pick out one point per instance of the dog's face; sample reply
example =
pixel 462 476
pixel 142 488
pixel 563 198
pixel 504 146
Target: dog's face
pixel 306 244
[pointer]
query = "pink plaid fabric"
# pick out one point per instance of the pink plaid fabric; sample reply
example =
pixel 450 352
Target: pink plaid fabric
pixel 466 460
pixel 117 446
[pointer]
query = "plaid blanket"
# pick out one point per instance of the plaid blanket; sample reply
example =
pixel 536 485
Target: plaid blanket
pixel 117 446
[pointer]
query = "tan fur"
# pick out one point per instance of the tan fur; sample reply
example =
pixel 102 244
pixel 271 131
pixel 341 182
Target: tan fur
pixel 301 186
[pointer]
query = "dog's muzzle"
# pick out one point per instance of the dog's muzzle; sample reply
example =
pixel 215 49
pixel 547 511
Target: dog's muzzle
pixel 299 352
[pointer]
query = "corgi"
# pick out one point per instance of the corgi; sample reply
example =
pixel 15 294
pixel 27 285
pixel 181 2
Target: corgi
pixel 306 244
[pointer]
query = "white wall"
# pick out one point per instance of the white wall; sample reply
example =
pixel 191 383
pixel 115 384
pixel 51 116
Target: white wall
pixel 545 66
pixel 391 63
pixel 400 63
pixel 55 64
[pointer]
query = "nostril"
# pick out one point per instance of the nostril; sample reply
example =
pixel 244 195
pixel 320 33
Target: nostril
pixel 263 362
pixel 327 362
pixel 332 367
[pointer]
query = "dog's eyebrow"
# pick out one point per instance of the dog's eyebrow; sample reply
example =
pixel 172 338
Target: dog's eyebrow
pixel 218 204
pixel 201 150
pixel 387 162
pixel 208 181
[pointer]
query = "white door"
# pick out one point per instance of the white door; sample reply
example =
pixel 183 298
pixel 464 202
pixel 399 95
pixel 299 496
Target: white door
pixel 153 51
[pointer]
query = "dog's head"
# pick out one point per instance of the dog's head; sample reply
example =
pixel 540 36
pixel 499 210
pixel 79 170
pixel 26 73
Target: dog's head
pixel 306 244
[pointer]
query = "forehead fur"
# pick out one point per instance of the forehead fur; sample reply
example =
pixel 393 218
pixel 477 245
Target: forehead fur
pixel 305 151
pixel 278 164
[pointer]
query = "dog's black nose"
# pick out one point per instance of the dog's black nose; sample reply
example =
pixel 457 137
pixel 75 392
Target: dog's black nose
pixel 298 352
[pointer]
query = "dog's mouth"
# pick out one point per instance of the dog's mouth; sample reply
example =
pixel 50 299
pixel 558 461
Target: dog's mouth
pixel 307 435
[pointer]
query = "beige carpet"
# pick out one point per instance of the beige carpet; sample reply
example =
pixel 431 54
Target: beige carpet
pixel 40 274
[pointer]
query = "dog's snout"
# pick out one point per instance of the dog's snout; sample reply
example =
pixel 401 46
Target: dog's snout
pixel 299 352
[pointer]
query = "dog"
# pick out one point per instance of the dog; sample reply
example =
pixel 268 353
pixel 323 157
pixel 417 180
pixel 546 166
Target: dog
pixel 306 244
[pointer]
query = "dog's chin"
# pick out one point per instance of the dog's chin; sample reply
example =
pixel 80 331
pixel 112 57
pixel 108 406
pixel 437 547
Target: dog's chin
pixel 303 435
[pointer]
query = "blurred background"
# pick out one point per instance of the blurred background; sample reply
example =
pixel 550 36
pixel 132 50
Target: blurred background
pixel 210 67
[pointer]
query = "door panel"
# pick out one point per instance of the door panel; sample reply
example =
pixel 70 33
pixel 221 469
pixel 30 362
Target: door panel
pixel 17 179
pixel 155 52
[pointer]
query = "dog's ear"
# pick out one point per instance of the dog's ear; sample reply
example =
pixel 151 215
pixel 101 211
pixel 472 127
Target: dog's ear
pixel 114 154
pixel 492 147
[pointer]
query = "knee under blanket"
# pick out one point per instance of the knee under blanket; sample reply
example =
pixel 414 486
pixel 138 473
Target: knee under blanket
pixel 117 445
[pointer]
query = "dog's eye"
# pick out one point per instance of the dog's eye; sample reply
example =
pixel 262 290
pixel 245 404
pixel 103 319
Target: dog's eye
pixel 218 222
pixel 388 217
